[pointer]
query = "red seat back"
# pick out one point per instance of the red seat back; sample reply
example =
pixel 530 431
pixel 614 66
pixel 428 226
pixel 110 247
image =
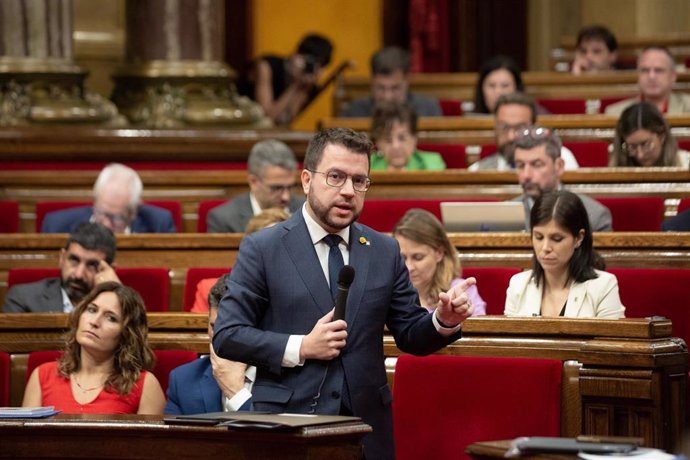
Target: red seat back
pixel 4 379
pixel 648 292
pixel 441 404
pixel 167 360
pixel 684 144
pixel 562 106
pixel 9 210
pixel 454 155
pixel 36 358
pixel 450 107
pixel 492 283
pixel 151 283
pixel 45 207
pixel 683 204
pixel 593 154
pixel 636 213
pixel 194 275
pixel 487 150
pixel 204 208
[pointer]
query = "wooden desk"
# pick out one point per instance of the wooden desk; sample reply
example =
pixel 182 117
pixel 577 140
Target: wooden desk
pixel 491 450
pixel 623 377
pixel 461 85
pixel 179 252
pixel 190 187
pixel 147 437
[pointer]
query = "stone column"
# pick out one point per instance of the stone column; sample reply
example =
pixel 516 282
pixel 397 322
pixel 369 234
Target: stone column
pixel 39 82
pixel 174 74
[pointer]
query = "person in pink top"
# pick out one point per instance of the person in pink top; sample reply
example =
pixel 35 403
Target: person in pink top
pixel 104 368
pixel 431 259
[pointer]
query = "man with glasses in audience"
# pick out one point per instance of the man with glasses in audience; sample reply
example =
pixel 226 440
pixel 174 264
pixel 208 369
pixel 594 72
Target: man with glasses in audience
pixel 117 205
pixel 271 167
pixel 539 167
pixel 86 260
pixel 514 113
pixel 278 311
pixel 656 74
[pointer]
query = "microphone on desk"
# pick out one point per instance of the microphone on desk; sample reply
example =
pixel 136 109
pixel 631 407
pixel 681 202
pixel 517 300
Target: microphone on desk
pixel 345 279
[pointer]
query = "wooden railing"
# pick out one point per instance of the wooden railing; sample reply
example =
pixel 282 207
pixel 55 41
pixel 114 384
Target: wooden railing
pixel 190 187
pixel 181 251
pixel 461 86
pixel 624 377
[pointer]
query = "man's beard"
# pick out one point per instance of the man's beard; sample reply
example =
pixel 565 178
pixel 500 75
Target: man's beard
pixel 76 289
pixel 321 211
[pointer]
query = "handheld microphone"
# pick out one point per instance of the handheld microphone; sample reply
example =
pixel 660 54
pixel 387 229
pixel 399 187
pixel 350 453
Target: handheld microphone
pixel 345 278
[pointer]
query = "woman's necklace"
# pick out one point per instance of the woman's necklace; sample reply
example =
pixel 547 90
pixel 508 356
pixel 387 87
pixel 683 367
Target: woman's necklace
pixel 85 390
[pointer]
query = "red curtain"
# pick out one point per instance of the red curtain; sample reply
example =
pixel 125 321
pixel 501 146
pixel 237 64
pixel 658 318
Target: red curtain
pixel 429 36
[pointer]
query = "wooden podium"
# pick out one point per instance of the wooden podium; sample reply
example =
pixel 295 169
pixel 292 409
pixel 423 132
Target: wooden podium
pixel 148 437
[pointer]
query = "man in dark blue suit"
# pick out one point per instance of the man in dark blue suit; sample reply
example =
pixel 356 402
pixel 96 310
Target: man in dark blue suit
pixel 117 205
pixel 194 389
pixel 278 315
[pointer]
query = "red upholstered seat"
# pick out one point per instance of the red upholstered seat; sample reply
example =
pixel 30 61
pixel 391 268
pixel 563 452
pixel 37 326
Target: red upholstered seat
pixel 36 358
pixel 194 275
pixel 167 360
pixel 657 292
pixel 487 150
pixel 492 283
pixel 564 106
pixel 454 155
pixel 684 144
pixel 382 214
pixel 4 378
pixel 441 404
pixel 151 283
pixel 636 213
pixel 204 208
pixel 450 107
pixel 594 154
pixel 683 204
pixel 9 210
pixel 45 207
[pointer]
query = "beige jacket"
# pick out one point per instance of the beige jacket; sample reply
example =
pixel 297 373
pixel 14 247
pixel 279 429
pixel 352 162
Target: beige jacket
pixel 677 103
pixel 595 298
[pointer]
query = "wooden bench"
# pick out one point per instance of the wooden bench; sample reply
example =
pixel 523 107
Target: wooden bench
pixel 191 187
pixel 179 252
pixel 623 378
pixel 461 86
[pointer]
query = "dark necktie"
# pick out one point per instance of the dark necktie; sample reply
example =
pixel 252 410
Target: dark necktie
pixel 335 262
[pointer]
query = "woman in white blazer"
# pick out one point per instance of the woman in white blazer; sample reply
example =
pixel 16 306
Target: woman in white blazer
pixel 563 280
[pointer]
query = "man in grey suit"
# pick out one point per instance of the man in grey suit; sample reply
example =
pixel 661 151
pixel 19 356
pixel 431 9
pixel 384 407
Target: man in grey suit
pixel 539 166
pixel 271 167
pixel 390 74
pixel 85 261
pixel 278 312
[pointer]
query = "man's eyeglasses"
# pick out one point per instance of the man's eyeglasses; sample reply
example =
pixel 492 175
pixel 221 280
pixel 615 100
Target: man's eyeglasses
pixel 118 220
pixel 280 188
pixel 632 149
pixel 534 132
pixel 336 178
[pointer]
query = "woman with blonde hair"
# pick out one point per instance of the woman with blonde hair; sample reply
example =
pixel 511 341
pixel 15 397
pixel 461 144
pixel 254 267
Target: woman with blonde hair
pixel 431 259
pixel 105 366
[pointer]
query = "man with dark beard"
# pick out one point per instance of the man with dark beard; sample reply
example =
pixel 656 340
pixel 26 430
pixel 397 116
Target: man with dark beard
pixel 85 261
pixel 278 311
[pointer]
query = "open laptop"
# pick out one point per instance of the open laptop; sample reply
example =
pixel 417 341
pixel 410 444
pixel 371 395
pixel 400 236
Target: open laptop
pixel 494 216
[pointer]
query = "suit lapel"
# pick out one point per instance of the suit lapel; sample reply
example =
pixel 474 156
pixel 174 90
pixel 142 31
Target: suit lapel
pixel 576 298
pixel 302 254
pixel 360 256
pixel 210 391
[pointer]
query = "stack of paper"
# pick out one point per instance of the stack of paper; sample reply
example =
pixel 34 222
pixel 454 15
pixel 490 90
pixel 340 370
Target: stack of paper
pixel 27 412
